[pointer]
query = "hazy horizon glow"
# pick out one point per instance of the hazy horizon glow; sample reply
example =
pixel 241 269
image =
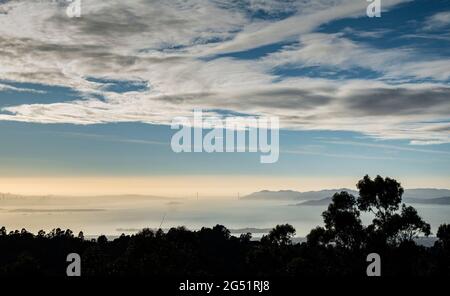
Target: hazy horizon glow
pixel 186 186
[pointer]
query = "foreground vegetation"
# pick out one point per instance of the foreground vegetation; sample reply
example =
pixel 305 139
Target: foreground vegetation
pixel 337 249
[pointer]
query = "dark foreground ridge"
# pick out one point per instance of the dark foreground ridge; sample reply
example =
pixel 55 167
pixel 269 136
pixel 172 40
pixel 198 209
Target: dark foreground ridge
pixel 340 248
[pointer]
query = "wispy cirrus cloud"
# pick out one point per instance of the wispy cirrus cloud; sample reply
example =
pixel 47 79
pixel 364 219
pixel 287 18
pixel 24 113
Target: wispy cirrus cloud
pixel 173 47
pixel 438 21
pixel 7 87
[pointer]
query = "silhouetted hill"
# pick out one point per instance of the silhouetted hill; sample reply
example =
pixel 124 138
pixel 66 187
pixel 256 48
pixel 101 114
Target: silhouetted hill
pixel 430 201
pixel 426 193
pixel 434 201
pixel 294 195
pixel 320 202
pixel 409 194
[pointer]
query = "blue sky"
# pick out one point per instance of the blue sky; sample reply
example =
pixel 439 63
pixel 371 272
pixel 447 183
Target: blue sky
pixel 95 96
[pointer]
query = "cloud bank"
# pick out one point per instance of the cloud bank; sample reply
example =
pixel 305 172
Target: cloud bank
pixel 185 52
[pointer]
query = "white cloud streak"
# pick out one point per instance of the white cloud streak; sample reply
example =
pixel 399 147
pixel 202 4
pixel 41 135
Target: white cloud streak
pixel 170 45
pixel 438 21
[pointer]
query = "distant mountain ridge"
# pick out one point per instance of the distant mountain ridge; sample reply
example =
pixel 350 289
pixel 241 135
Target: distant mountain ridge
pixel 431 201
pixel 411 195
pixel 426 193
pixel 428 201
pixel 319 202
pixel 294 195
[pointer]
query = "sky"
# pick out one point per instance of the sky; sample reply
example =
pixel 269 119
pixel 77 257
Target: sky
pixel 86 103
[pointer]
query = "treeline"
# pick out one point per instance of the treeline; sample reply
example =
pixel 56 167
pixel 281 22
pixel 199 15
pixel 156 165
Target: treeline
pixel 339 248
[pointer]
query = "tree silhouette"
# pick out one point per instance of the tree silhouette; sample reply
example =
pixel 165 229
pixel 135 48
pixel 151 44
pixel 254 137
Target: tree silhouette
pixel 102 240
pixel 281 235
pixel 442 247
pixel 411 224
pixel 318 236
pixel 342 221
pixel 382 197
pixel 443 234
